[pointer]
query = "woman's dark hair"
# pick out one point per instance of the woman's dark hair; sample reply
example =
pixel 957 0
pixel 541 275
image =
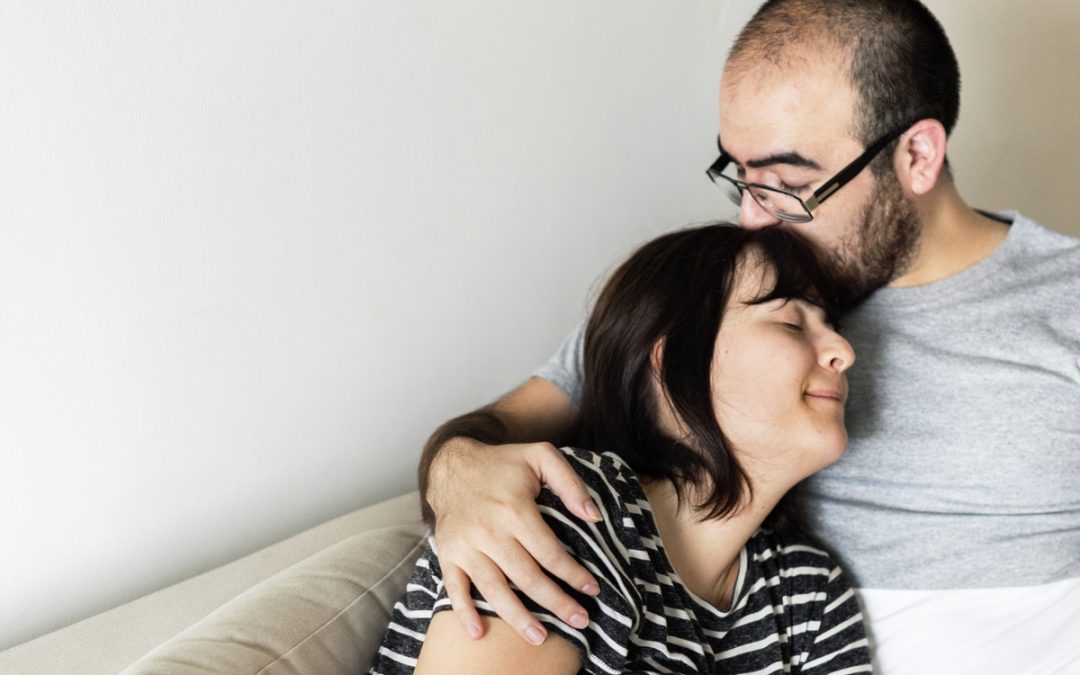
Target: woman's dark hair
pixel 675 288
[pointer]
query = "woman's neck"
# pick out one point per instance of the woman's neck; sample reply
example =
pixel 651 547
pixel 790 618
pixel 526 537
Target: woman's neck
pixel 705 554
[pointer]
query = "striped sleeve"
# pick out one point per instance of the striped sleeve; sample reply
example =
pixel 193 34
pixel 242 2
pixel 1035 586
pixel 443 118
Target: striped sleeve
pixel 603 643
pixel 410 619
pixel 840 644
pixel 613 614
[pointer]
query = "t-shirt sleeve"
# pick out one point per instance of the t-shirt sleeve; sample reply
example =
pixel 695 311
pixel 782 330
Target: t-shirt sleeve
pixel 840 643
pixel 400 647
pixel 564 368
pixel 612 614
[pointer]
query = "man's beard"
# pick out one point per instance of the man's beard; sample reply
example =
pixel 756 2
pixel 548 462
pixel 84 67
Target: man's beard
pixel 883 245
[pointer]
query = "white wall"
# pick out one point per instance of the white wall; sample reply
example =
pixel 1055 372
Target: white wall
pixel 251 253
pixel 1016 145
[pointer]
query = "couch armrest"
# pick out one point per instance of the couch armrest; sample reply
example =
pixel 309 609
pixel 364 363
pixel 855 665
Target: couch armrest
pixel 105 643
pixel 324 615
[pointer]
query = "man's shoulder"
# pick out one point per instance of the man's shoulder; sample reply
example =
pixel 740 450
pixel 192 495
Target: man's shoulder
pixel 1041 273
pixel 1036 241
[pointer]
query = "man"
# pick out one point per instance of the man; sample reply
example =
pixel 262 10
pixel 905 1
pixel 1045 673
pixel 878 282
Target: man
pixel 956 508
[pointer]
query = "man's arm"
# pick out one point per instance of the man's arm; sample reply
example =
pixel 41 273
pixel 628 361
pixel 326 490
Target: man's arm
pixel 479 476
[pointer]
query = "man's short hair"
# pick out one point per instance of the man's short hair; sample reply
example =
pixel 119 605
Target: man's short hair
pixel 900 63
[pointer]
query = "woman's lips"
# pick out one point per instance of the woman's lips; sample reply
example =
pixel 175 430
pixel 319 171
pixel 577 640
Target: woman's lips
pixel 834 394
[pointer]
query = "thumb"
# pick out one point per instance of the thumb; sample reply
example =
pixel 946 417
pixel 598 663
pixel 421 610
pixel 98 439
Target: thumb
pixel 556 473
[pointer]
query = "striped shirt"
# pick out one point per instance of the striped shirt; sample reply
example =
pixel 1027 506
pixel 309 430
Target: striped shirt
pixel 792 610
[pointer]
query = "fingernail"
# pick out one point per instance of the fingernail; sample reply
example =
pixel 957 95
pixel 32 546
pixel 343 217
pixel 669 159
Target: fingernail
pixel 474 631
pixel 590 589
pixel 593 512
pixel 534 635
pixel 579 620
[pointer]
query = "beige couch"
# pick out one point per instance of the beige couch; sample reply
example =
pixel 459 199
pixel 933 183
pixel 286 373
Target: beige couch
pixel 315 603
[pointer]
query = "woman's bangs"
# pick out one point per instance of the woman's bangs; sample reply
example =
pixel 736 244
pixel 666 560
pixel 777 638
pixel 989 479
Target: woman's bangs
pixel 795 274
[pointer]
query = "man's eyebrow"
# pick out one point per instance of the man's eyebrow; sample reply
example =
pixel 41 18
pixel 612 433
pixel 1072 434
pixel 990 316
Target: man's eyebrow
pixel 792 158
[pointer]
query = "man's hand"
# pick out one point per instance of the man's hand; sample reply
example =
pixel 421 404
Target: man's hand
pixel 489 529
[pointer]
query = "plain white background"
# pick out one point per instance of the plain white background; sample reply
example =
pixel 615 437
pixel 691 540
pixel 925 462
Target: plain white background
pixel 251 253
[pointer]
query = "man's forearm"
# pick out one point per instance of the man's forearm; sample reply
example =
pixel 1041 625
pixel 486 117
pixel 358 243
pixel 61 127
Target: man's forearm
pixel 481 425
pixel 537 411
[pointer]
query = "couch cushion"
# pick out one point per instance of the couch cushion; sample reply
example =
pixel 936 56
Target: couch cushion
pixel 325 614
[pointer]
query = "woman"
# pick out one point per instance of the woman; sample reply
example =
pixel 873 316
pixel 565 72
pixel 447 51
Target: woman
pixel 714 383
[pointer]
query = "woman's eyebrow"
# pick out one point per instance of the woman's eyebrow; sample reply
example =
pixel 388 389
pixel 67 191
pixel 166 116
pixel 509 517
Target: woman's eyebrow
pixel 819 311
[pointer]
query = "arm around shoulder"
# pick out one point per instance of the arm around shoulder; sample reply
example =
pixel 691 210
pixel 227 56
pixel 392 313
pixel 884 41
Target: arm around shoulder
pixel 536 412
pixel 482 503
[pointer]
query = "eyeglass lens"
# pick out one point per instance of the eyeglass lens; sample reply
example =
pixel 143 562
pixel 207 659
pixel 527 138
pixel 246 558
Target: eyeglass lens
pixel 779 204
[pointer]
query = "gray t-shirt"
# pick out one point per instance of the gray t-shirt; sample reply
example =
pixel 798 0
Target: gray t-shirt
pixel 963 469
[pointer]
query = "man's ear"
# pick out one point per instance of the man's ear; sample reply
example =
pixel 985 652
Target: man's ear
pixel 920 156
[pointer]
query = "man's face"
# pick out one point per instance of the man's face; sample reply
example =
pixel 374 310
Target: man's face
pixel 791 127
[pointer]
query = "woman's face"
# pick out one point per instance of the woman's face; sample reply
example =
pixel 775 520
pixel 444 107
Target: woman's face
pixel 778 381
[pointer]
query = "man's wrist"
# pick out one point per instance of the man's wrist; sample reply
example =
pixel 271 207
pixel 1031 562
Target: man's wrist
pixel 448 445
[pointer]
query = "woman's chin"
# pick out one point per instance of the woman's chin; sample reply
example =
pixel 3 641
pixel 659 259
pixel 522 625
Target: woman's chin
pixel 832 448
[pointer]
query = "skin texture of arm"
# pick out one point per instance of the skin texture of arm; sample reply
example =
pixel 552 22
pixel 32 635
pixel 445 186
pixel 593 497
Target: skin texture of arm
pixel 481 494
pixel 447 650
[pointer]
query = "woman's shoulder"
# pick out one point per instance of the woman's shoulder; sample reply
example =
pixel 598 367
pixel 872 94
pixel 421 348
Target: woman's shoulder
pixel 608 461
pixel 624 509
pixel 605 472
pixel 627 528
pixel 614 546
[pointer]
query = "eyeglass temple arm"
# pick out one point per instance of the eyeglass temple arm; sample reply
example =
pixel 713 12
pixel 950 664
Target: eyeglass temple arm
pixel 852 170
pixel 721 162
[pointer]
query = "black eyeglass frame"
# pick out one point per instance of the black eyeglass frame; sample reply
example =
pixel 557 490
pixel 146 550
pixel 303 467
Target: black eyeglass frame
pixel 827 189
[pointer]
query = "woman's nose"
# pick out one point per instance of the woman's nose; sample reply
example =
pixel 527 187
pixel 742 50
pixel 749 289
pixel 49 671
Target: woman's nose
pixel 837 353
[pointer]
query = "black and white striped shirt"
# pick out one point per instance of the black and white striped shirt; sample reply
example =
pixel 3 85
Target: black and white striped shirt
pixel 792 611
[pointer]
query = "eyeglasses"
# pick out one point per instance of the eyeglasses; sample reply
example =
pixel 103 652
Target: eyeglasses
pixel 784 205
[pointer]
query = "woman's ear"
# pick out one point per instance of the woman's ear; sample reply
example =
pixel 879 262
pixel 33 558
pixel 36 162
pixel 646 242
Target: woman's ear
pixel 656 357
pixel 920 156
pixel 667 420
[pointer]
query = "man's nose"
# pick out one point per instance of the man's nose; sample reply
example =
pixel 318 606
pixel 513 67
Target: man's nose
pixel 752 216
